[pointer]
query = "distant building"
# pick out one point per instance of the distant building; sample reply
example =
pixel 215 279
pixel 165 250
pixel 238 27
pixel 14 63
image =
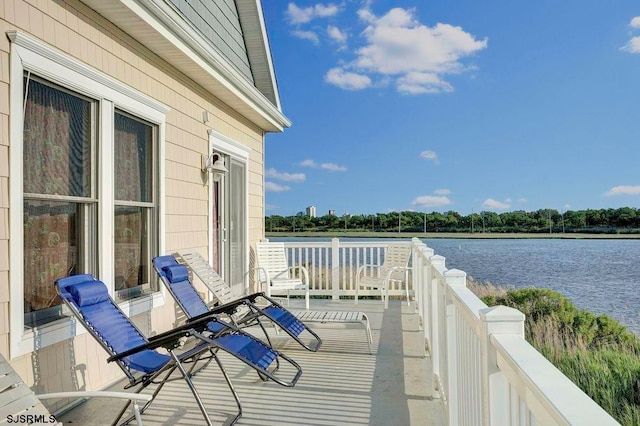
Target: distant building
pixel 300 214
pixel 332 212
pixel 311 211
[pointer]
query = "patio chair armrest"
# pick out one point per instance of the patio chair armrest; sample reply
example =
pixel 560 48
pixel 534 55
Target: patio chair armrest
pixel 97 394
pixel 227 308
pixel 305 273
pixel 366 265
pixel 396 269
pixel 168 339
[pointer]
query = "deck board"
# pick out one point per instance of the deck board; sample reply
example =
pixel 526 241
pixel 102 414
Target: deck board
pixel 341 384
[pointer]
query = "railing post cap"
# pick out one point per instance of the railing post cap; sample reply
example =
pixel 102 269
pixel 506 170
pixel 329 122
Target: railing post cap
pixel 455 273
pixel 437 258
pixel 501 313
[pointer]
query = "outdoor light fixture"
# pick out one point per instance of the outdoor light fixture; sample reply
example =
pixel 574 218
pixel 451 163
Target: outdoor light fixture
pixel 214 163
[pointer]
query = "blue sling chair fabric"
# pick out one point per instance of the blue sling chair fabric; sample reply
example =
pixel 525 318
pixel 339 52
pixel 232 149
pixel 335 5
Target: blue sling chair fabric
pixel 137 356
pixel 176 279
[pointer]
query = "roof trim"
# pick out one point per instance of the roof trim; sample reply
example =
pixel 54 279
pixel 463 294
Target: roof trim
pixel 250 12
pixel 155 24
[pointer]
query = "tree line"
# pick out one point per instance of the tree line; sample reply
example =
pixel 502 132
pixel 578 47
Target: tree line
pixel 622 220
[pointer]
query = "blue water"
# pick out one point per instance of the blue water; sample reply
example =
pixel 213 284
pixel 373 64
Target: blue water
pixel 602 276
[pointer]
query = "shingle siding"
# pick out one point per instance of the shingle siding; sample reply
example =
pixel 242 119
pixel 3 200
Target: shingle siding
pixel 218 22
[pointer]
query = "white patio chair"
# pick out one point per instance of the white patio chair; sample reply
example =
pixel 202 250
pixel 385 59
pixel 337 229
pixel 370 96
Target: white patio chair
pixel 395 268
pixel 18 403
pixel 273 269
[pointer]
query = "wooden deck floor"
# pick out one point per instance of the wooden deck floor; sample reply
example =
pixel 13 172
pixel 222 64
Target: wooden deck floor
pixel 341 384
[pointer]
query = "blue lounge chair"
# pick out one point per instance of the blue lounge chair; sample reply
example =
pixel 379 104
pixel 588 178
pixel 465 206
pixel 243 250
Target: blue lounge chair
pixel 136 355
pixel 246 313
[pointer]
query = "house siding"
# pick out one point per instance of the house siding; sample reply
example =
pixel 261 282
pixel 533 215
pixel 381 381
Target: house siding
pixel 76 30
pixel 219 23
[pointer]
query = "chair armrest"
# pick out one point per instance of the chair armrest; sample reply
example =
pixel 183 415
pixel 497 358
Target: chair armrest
pixel 366 265
pixel 97 394
pixel 396 269
pixel 305 273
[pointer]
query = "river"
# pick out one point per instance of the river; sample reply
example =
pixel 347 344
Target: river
pixel 602 276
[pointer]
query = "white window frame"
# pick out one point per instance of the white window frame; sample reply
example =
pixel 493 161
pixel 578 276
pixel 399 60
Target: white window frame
pixel 225 145
pixel 30 54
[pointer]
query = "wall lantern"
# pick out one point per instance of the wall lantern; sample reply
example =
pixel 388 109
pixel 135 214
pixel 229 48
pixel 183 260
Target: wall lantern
pixel 214 163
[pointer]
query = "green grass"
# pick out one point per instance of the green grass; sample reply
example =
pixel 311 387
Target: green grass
pixel 600 355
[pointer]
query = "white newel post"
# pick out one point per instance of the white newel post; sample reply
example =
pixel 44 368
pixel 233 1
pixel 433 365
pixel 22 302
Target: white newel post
pixel 454 278
pixel 427 290
pixel 335 269
pixel 437 266
pixel 417 277
pixel 496 320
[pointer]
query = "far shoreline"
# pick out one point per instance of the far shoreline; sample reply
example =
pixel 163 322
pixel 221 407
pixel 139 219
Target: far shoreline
pixel 451 235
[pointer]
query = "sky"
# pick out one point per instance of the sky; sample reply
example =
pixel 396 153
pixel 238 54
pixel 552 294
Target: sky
pixel 454 105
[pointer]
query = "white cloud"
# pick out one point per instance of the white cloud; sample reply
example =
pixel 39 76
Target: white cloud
pixel 522 200
pixel 632 46
pixel 299 15
pixel 274 187
pixel 332 167
pixel 287 177
pixel 347 80
pixel 567 206
pixel 635 22
pixel 417 83
pixel 271 207
pixel 490 203
pixel 430 155
pixel 442 192
pixel 307 35
pixel 416 55
pixel 623 190
pixel 308 163
pixel 337 36
pixel 431 201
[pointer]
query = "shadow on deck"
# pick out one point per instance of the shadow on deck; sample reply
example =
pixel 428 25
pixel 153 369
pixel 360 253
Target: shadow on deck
pixel 341 384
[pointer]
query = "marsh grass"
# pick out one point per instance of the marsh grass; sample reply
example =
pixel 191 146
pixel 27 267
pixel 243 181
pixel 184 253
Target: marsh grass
pixel 596 352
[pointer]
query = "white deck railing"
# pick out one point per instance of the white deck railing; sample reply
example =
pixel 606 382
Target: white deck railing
pixel 484 369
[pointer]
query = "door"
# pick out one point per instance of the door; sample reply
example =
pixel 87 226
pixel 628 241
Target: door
pixel 228 218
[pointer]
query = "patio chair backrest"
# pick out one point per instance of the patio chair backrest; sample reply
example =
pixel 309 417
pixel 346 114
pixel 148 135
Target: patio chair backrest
pixel 207 275
pixel 176 278
pixel 15 396
pixel 116 333
pixel 396 256
pixel 272 257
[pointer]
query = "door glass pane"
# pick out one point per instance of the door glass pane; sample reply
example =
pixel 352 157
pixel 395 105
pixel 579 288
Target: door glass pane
pixel 50 252
pixel 237 214
pixel 217 227
pixel 131 247
pixel 57 142
pixel 133 169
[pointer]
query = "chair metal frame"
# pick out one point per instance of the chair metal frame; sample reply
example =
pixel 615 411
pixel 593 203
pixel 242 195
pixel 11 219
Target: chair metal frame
pixel 247 312
pixel 205 349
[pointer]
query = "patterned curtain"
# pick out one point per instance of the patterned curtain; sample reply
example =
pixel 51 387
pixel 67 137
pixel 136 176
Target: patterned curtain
pixel 56 158
pixel 132 183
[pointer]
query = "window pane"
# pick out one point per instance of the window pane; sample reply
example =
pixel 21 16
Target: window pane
pixel 57 142
pixel 50 251
pixel 132 255
pixel 133 171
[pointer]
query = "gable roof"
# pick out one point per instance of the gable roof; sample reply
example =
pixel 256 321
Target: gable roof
pixel 162 29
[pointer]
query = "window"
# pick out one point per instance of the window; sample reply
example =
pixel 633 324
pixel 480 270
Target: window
pixel 59 193
pixel 86 163
pixel 135 212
